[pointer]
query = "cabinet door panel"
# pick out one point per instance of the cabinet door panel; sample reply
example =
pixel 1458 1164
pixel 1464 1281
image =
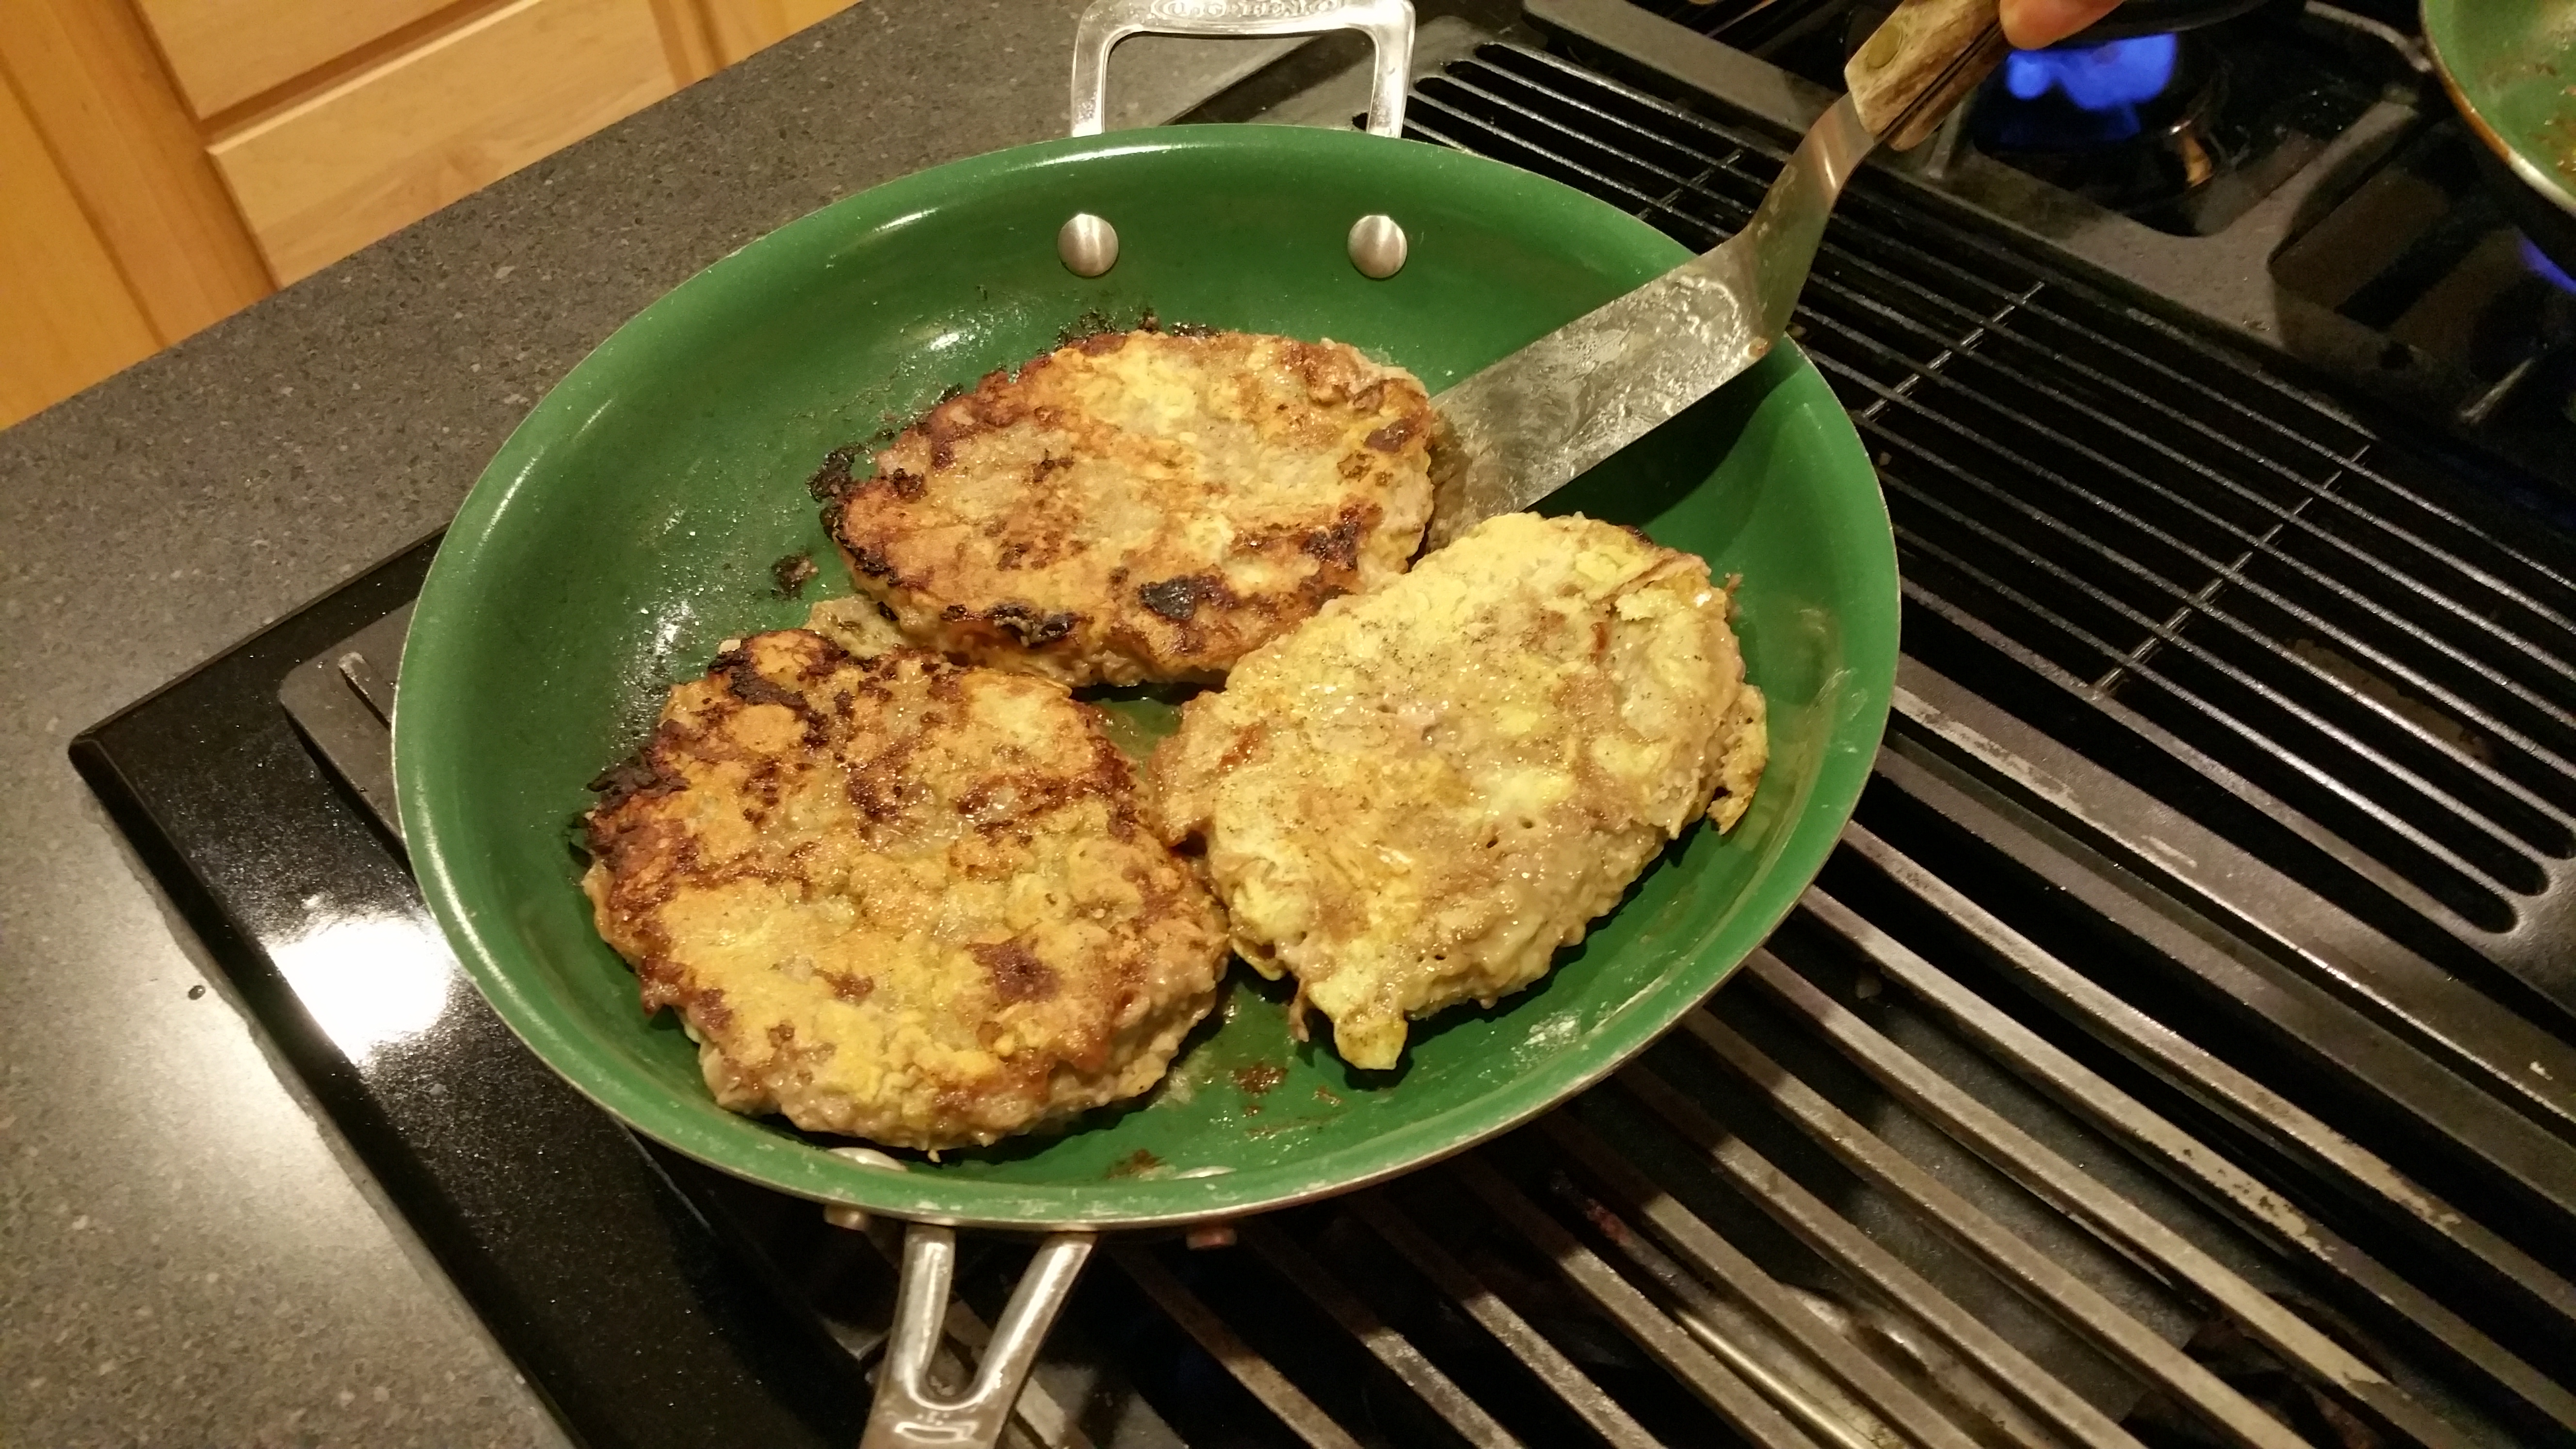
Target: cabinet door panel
pixel 224 52
pixel 390 145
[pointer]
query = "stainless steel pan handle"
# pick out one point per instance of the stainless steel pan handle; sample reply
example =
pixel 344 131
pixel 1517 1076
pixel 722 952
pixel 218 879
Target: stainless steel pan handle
pixel 907 1414
pixel 1388 23
pixel 1378 246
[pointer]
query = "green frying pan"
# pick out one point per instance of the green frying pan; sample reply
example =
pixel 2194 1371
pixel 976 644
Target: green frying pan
pixel 633 519
pixel 2510 66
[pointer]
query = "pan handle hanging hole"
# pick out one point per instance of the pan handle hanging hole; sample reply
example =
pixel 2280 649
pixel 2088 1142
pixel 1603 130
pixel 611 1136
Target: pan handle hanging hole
pixel 1378 246
pixel 1088 244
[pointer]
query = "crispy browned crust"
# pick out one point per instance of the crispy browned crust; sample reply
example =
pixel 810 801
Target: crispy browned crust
pixel 1143 505
pixel 900 898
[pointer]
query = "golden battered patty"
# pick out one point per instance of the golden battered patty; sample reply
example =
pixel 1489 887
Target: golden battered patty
pixel 1143 505
pixel 1417 797
pixel 900 898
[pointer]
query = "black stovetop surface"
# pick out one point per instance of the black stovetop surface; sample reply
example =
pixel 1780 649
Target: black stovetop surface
pixel 601 1277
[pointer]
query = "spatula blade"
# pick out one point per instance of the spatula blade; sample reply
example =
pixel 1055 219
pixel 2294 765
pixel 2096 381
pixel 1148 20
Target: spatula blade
pixel 1533 422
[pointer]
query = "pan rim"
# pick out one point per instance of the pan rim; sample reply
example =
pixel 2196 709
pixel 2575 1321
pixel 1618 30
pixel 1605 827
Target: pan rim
pixel 2551 187
pixel 801 1168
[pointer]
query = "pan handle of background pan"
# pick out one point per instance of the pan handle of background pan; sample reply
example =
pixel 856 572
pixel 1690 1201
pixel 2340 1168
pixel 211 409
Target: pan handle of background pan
pixel 1389 23
pixel 907 1413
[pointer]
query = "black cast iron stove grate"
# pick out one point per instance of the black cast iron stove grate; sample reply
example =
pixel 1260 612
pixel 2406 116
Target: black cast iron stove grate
pixel 2166 1058
pixel 2358 665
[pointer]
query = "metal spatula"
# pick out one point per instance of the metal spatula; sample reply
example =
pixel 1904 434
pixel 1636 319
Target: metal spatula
pixel 1533 422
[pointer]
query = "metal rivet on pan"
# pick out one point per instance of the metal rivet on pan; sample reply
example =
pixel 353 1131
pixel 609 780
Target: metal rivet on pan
pixel 1088 244
pixel 1377 246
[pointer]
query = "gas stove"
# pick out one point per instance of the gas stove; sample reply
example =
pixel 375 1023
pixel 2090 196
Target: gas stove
pixel 2293 175
pixel 2176 1052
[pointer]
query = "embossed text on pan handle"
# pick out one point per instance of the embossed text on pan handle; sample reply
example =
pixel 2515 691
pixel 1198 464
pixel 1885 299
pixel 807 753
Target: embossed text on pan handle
pixel 1387 23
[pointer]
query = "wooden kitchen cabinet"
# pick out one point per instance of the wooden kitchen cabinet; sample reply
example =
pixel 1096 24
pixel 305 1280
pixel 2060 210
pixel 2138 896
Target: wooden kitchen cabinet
pixel 69 313
pixel 401 139
pixel 225 52
pixel 164 163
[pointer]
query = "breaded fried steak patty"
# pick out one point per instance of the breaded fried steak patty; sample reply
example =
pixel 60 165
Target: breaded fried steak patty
pixel 1417 797
pixel 1143 505
pixel 900 898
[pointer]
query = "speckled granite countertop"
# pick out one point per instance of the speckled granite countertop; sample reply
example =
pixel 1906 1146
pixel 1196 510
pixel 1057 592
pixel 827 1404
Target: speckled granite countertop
pixel 188 1254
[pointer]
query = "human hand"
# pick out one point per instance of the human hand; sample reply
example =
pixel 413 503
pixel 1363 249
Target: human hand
pixel 2030 24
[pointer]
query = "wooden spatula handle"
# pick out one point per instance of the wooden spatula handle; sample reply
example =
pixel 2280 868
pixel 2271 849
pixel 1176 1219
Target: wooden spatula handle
pixel 1918 64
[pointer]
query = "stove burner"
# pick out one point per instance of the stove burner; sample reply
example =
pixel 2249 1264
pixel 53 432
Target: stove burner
pixel 2126 123
pixel 2096 100
pixel 2104 83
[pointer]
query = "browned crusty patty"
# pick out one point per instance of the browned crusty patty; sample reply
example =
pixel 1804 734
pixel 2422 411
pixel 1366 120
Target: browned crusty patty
pixel 900 898
pixel 1143 505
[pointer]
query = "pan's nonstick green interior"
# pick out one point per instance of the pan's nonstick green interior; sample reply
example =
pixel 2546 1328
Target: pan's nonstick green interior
pixel 2514 64
pixel 632 522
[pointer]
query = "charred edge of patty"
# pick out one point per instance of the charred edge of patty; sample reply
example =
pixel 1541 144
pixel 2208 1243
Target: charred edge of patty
pixel 865 559
pixel 832 481
pixel 961 413
pixel 791 574
pixel 641 774
pixel 1016 620
pixel 835 480
pixel 646 772
pixel 619 826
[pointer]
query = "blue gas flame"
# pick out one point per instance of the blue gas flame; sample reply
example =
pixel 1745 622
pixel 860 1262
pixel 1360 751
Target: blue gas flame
pixel 2545 269
pixel 2109 80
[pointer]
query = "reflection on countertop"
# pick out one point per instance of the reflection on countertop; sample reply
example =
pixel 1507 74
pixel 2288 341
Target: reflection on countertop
pixel 372 979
